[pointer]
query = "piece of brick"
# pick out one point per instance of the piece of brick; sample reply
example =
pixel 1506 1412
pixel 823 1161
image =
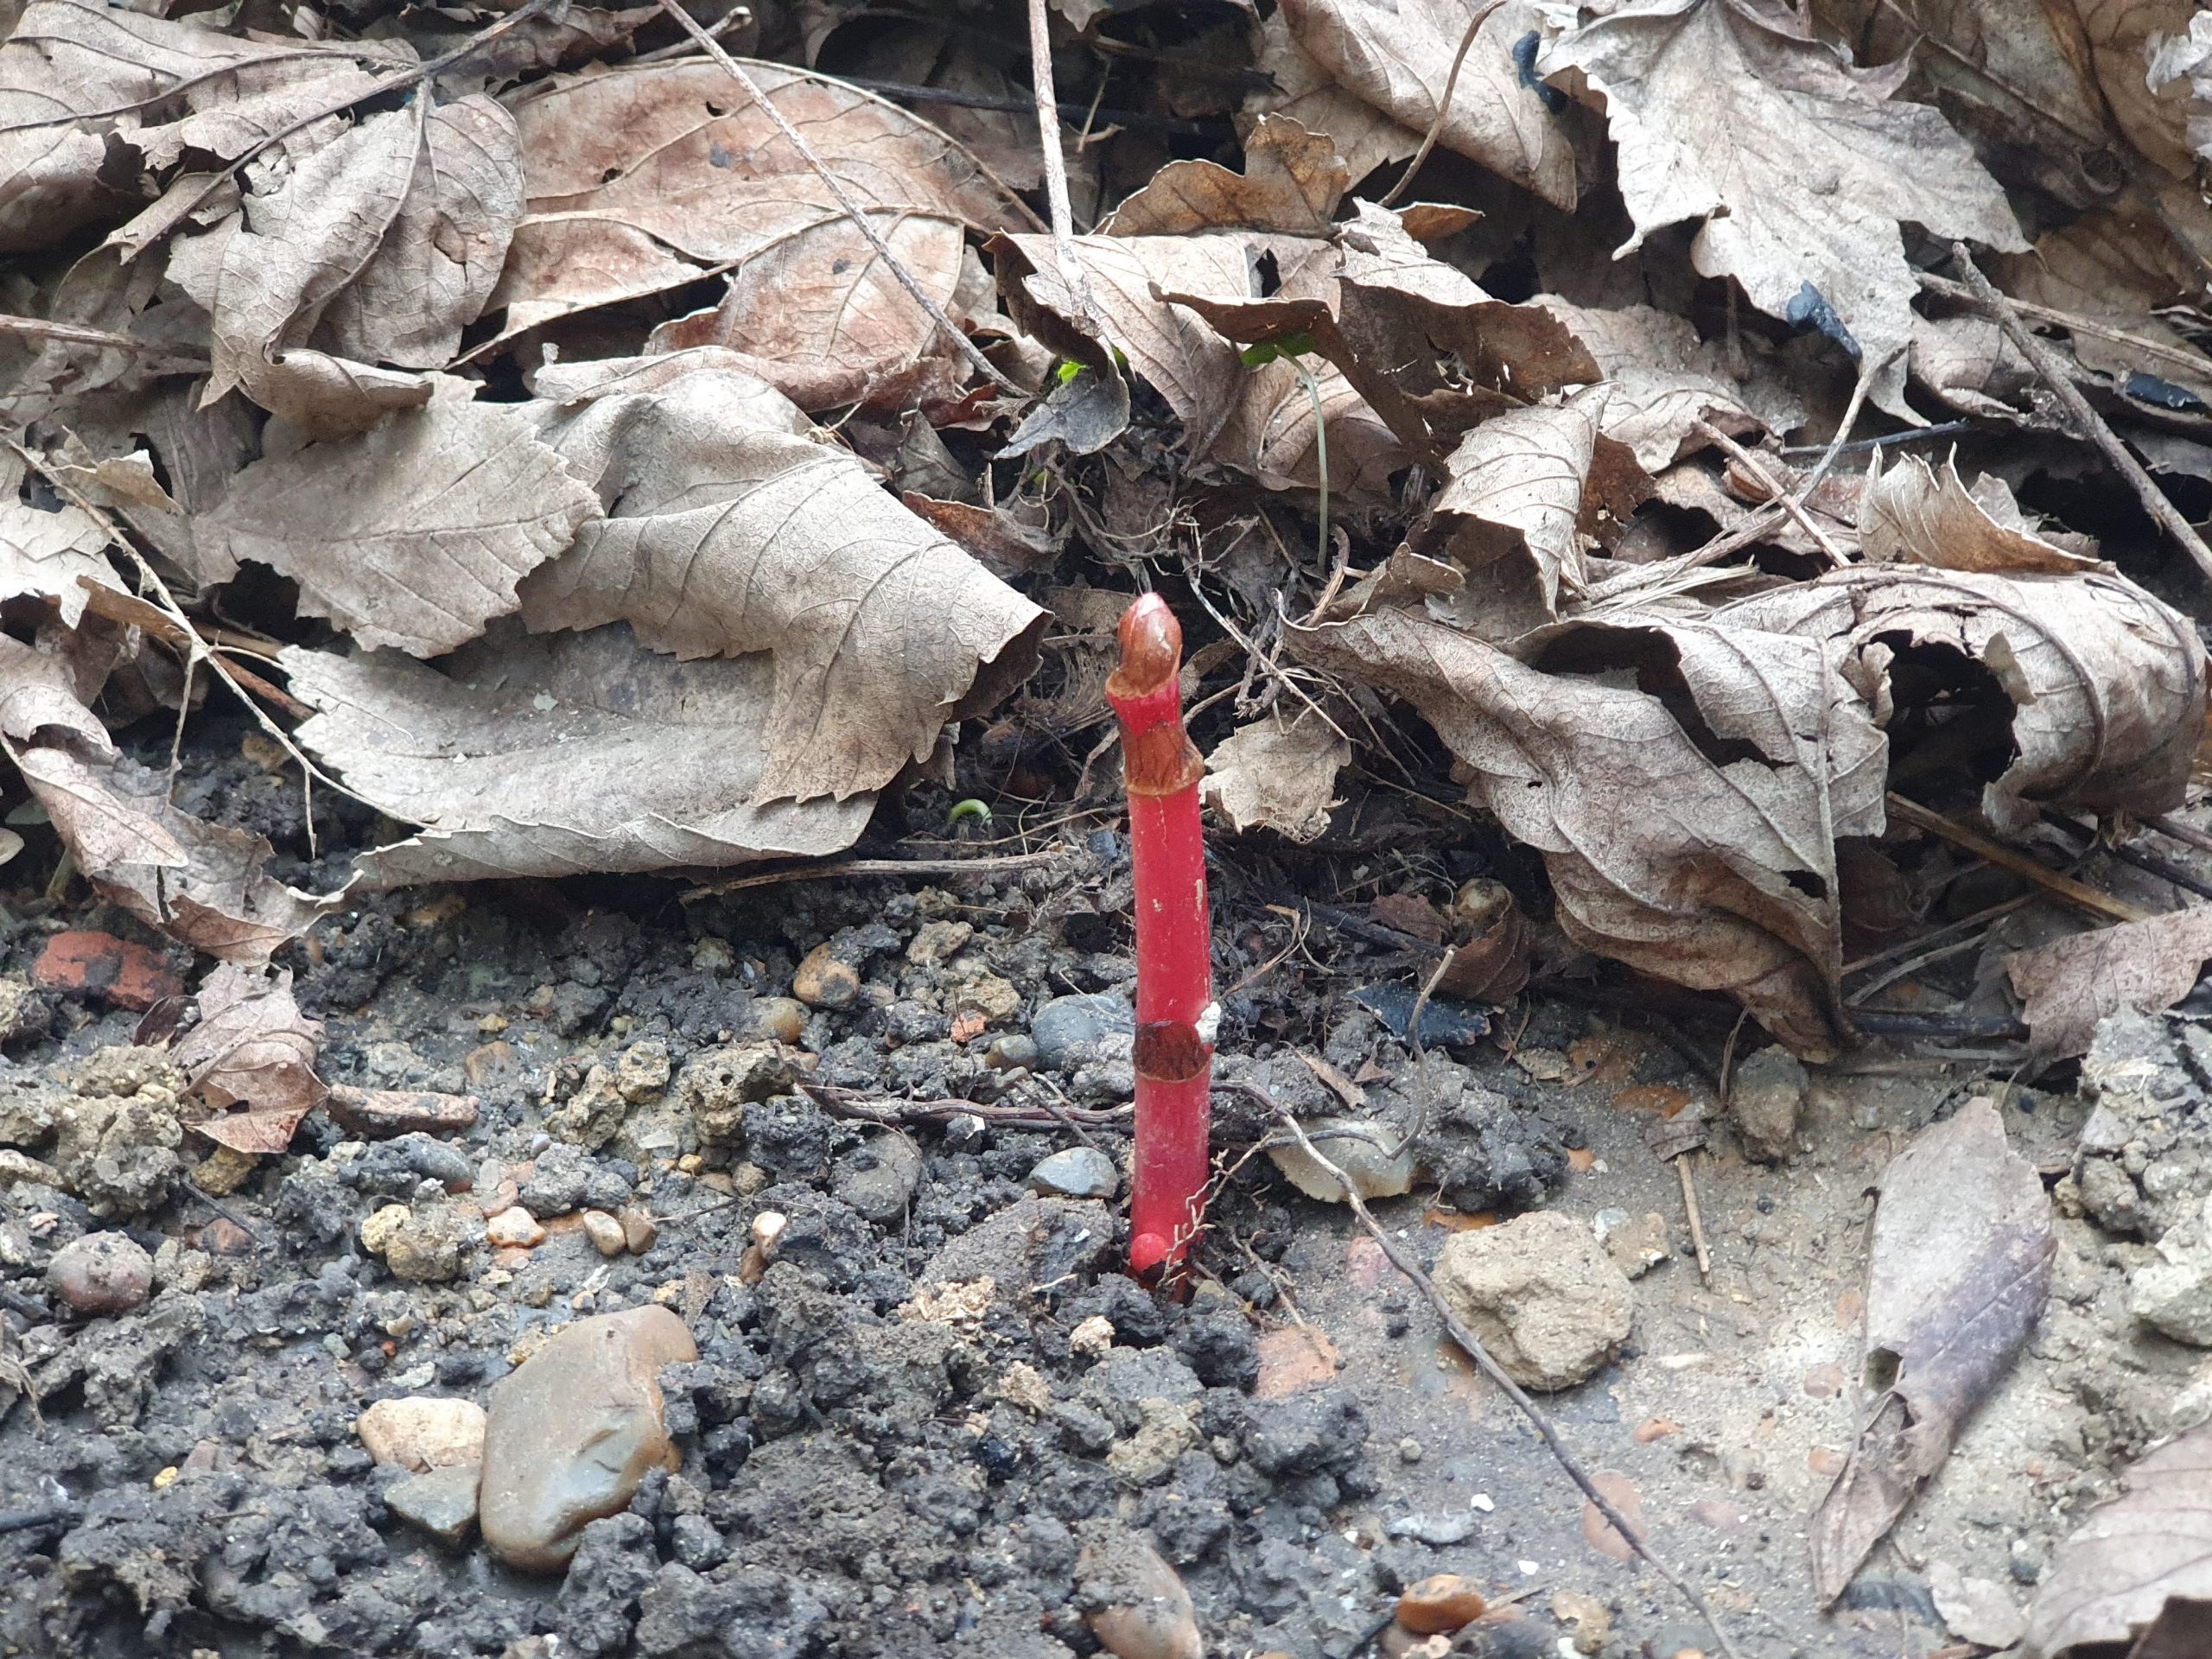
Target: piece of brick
pixel 102 968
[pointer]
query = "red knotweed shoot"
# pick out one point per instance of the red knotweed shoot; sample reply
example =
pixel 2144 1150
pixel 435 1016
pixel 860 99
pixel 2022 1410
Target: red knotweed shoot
pixel 1176 1011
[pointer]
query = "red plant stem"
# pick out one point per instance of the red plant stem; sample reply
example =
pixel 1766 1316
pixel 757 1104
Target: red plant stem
pixel 1176 1011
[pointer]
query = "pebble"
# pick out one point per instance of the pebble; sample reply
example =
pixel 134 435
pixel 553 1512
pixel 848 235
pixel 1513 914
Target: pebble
pixel 427 1246
pixel 639 1230
pixel 825 982
pixel 1076 1172
pixel 1438 1531
pixel 1543 1295
pixel 420 1433
pixel 783 1018
pixel 574 1429
pixel 1066 1023
pixel 605 1233
pixel 441 1502
pixel 1374 1157
pixel 879 1179
pixel 1440 1604
pixel 1142 1610
pixel 1012 1053
pixel 102 1273
pixel 1764 1099
pixel 514 1227
pixel 1410 1450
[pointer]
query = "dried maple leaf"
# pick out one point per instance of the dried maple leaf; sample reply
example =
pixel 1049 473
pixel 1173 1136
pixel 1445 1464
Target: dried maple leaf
pixel 2105 685
pixel 1397 56
pixel 1957 1270
pixel 731 531
pixel 1663 380
pixel 2071 984
pixel 412 535
pixel 1307 93
pixel 1797 166
pixel 559 755
pixel 1277 774
pixel 1524 492
pixel 251 1059
pixel 1685 783
pixel 646 180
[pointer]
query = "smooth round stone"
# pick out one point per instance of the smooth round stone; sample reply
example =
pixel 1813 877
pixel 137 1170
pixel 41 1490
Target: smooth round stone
pixel 1066 1023
pixel 1076 1172
pixel 573 1430
pixel 102 1273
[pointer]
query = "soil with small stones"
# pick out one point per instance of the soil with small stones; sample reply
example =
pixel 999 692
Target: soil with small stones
pixel 876 1457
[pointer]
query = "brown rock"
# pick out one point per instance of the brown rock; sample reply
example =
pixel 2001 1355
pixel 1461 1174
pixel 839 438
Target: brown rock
pixel 572 1432
pixel 605 1233
pixel 639 1230
pixel 1440 1604
pixel 420 1433
pixel 1133 1601
pixel 441 1502
pixel 782 1018
pixel 1600 1534
pixel 1543 1295
pixel 514 1228
pixel 102 1273
pixel 380 1114
pixel 824 982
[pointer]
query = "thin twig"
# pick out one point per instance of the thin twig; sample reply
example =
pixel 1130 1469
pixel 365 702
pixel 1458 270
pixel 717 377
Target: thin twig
pixel 1697 1218
pixel 998 864
pixel 2180 356
pixel 851 209
pixel 1995 852
pixel 2150 863
pixel 1049 140
pixel 75 333
pixel 2188 834
pixel 1443 105
pixel 1887 440
pixel 2087 423
pixel 1775 490
pixel 1632 1534
pixel 735 17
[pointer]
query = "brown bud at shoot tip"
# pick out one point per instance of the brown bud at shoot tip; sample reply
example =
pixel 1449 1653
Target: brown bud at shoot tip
pixel 1152 646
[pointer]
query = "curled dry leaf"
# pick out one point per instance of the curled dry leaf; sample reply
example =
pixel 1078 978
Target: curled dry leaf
pixel 1277 774
pixel 1685 784
pixel 1524 491
pixel 560 755
pixel 1307 93
pixel 1292 182
pixel 1397 57
pixel 2099 687
pixel 202 884
pixel 2130 1557
pixel 412 535
pixel 1797 168
pixel 1957 1271
pixel 2071 984
pixel 732 532
pixel 251 1059
pixel 1914 513
pixel 1494 942
pixel 645 180
pixel 48 553
pixel 1663 380
pixel 1271 434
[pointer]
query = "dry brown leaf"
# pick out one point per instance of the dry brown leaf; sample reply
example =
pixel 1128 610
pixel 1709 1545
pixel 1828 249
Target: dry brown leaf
pixel 1397 57
pixel 2105 684
pixel 44 553
pixel 1798 167
pixel 201 883
pixel 1969 363
pixel 439 258
pixel 1122 307
pixel 44 692
pixel 1524 491
pixel 83 71
pixel 1957 1270
pixel 1292 182
pixel 2185 60
pixel 732 532
pixel 1277 774
pixel 2151 113
pixel 1914 513
pixel 2071 984
pixel 229 127
pixel 560 755
pixel 412 535
pixel 645 180
pixel 1307 93
pixel 1664 380
pixel 251 1059
pixel 1685 783
pixel 1004 540
pixel 2132 1557
pixel 1270 434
